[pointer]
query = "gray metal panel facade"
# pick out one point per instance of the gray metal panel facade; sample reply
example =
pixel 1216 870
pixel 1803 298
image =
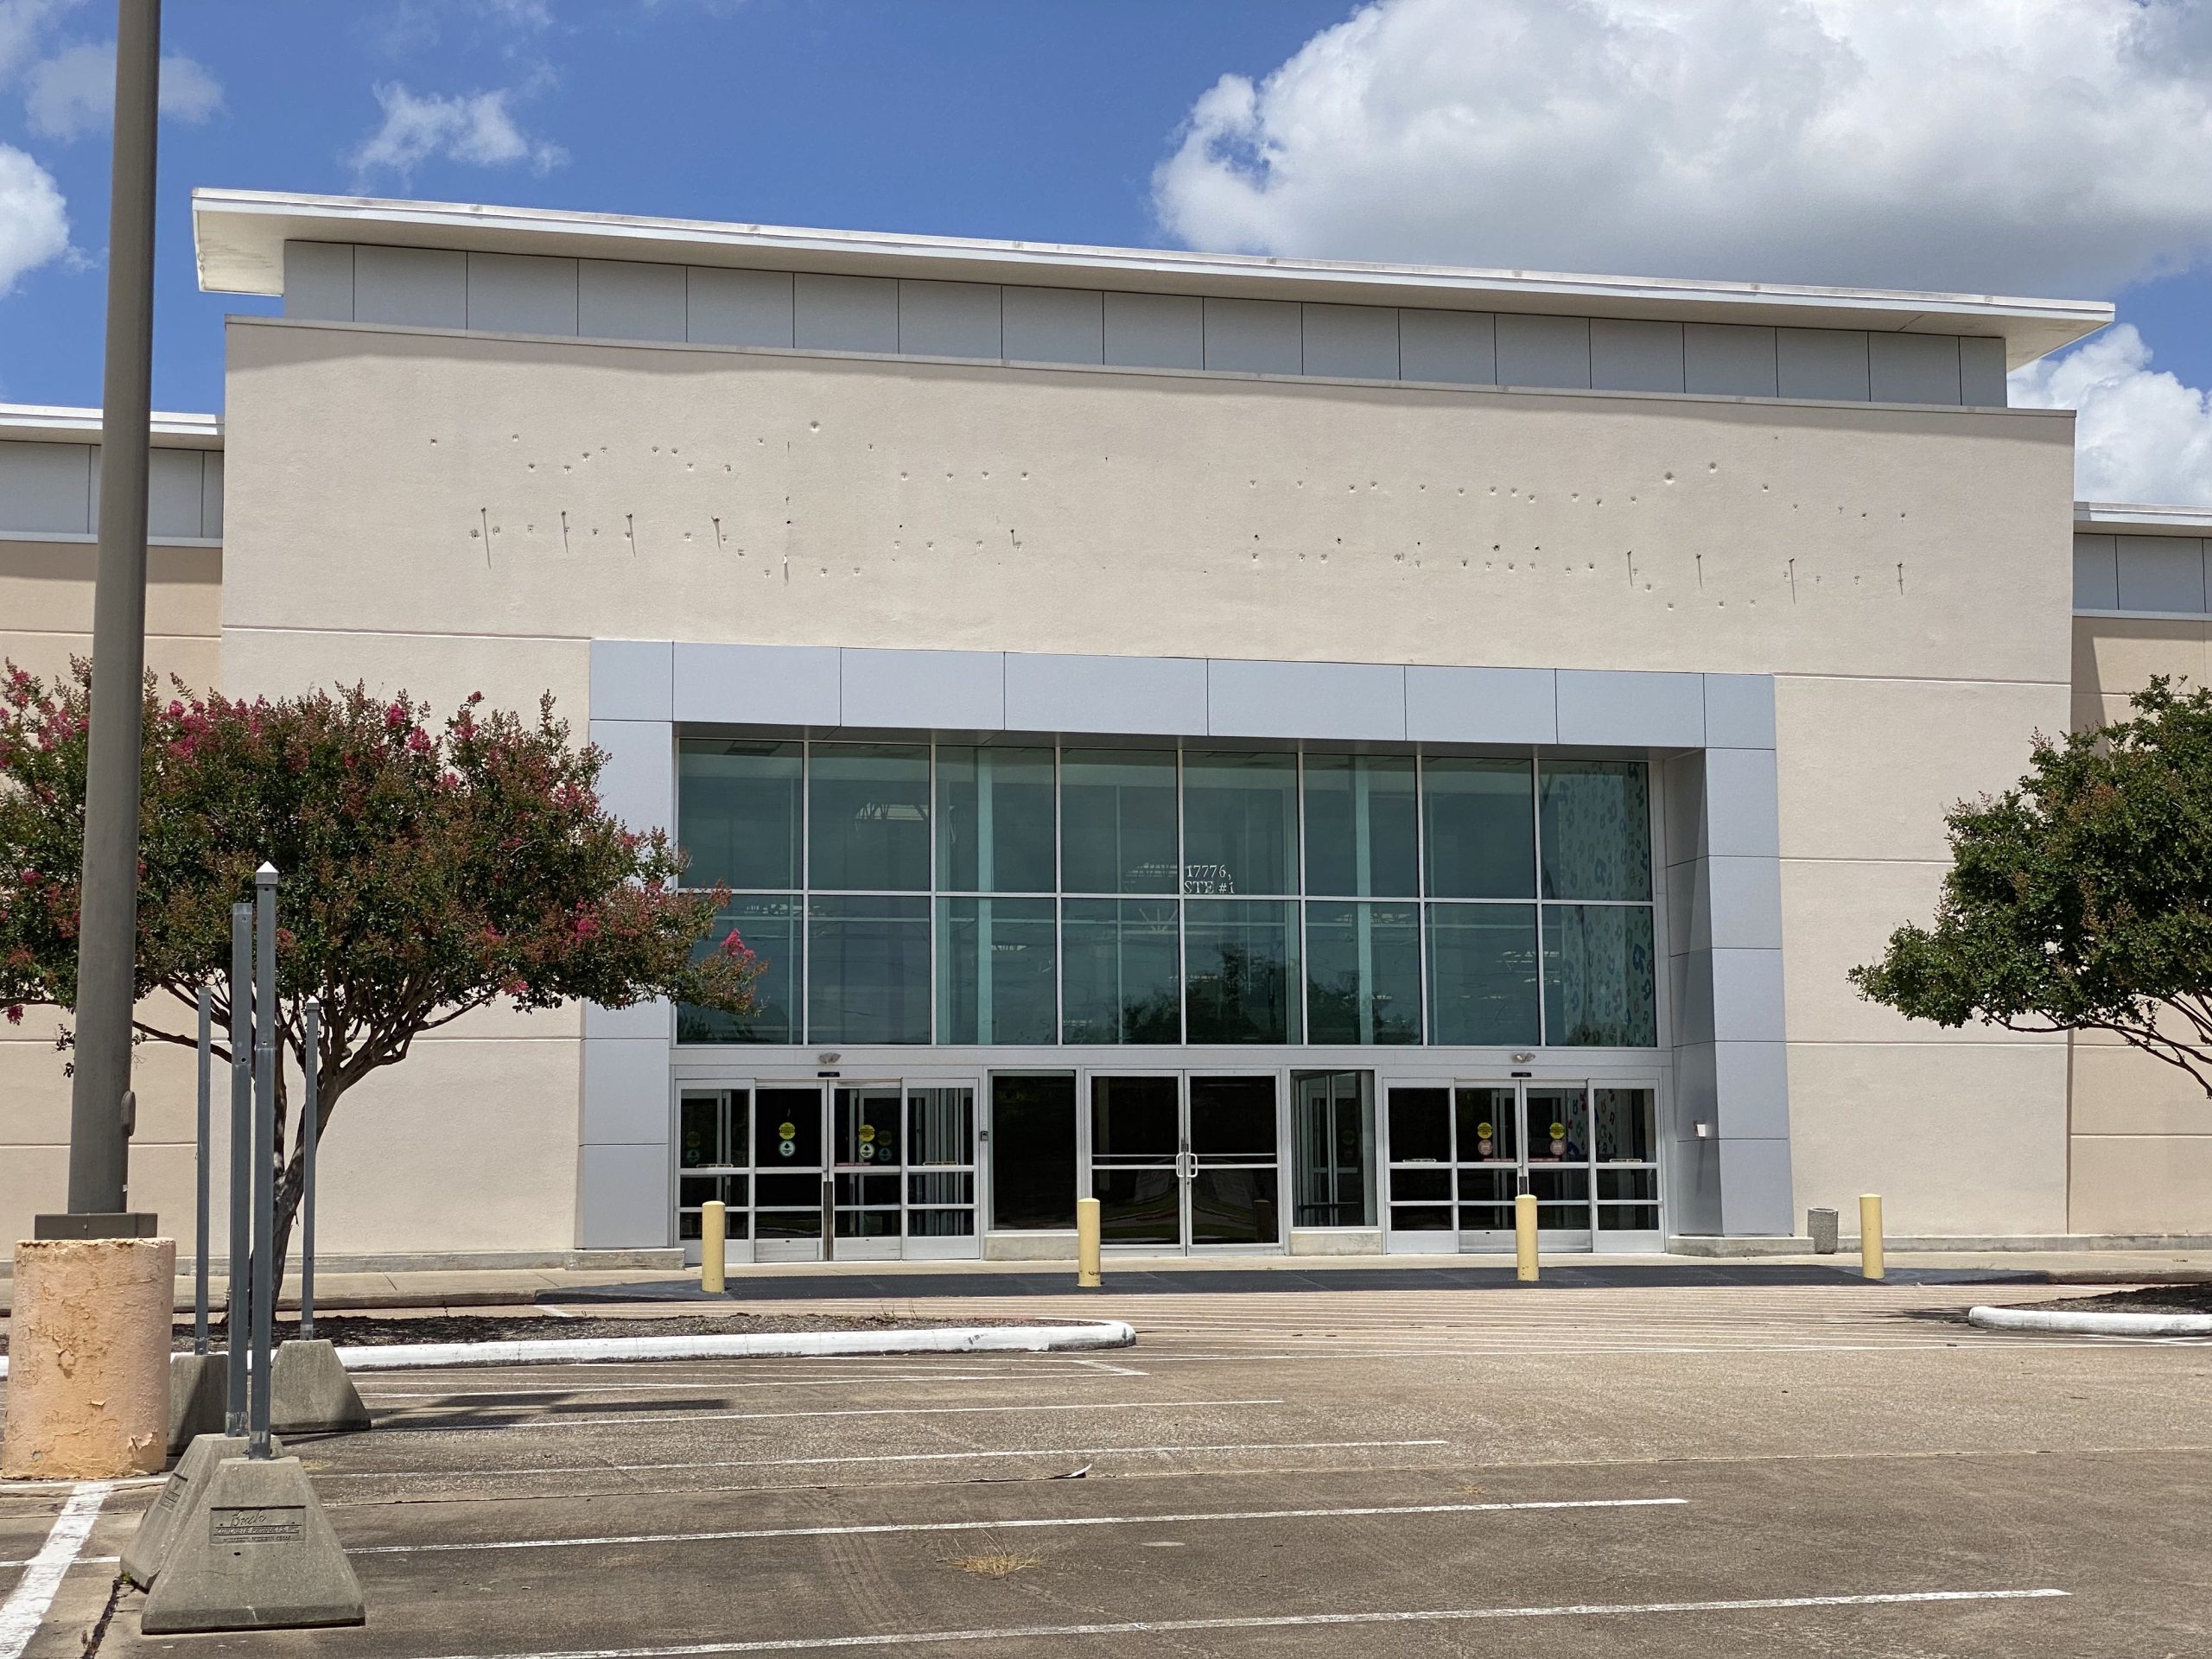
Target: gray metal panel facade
pixel 1155 331
pixel 626 299
pixel 46 488
pixel 633 679
pixel 425 287
pixel 521 294
pixel 1981 373
pixel 174 487
pixel 1617 705
pixel 845 314
pixel 1352 342
pixel 950 320
pixel 772 685
pixel 1544 351
pixel 211 493
pixel 1635 356
pixel 1914 368
pixel 2161 573
pixel 1254 336
pixel 940 691
pixel 1740 711
pixel 1481 705
pixel 1829 363
pixel 319 281
pixel 1455 347
pixel 1729 360
pixel 1139 694
pixel 737 307
pixel 2096 573
pixel 1054 325
pixel 1347 701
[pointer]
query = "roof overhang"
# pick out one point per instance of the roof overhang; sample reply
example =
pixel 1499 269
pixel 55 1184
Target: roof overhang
pixel 2127 518
pixel 56 423
pixel 240 236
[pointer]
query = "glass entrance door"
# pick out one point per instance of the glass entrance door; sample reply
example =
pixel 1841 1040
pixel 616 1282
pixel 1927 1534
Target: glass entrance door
pixel 1460 1153
pixel 1187 1163
pixel 891 1166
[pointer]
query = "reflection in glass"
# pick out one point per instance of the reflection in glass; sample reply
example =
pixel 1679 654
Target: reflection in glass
pixel 1239 823
pixel 995 982
pixel 1233 1119
pixel 869 818
pixel 1624 1129
pixel 1118 820
pixel 1480 826
pixel 1361 839
pixel 1235 1205
pixel 768 926
pixel 1481 974
pixel 993 820
pixel 870 981
pixel 1136 1119
pixel 1333 1133
pixel 1362 972
pixel 787 1135
pixel 699 1132
pixel 1599 976
pixel 1485 1125
pixel 1033 1150
pixel 738 812
pixel 1597 830
pixel 1120 979
pixel 1243 983
pixel 1420 1127
pixel 941 1129
pixel 864 1129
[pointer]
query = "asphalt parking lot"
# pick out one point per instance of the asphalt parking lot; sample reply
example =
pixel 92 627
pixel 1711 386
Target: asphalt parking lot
pixel 1666 1472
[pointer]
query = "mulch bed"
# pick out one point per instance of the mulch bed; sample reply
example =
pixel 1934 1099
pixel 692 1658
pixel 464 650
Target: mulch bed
pixel 347 1329
pixel 2152 1298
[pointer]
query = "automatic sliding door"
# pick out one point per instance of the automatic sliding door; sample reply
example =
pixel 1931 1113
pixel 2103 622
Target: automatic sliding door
pixel 864 1143
pixel 1556 1123
pixel 941 1171
pixel 1419 1211
pixel 788 1173
pixel 1489 1173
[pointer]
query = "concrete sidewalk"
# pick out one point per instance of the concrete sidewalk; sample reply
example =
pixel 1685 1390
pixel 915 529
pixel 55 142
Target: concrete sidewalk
pixel 437 1290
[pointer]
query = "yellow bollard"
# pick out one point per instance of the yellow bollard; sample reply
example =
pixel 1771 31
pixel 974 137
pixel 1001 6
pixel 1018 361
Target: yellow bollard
pixel 1870 1234
pixel 713 1230
pixel 1524 1238
pixel 1086 1243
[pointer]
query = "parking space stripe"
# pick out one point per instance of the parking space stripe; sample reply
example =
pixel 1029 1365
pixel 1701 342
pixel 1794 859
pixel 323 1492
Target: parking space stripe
pixel 1279 1621
pixel 25 1608
pixel 881 1457
pixel 1023 1523
pixel 852 1411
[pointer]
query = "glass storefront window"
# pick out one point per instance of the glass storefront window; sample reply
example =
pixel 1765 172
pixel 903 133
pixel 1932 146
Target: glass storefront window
pixel 869 970
pixel 1362 972
pixel 1239 823
pixel 738 812
pixel 869 818
pixel 1599 976
pixel 1243 983
pixel 1362 838
pixel 1597 830
pixel 768 926
pixel 1332 1132
pixel 1118 820
pixel 1480 826
pixel 1033 1151
pixel 1481 974
pixel 1121 971
pixel 996 979
pixel 993 820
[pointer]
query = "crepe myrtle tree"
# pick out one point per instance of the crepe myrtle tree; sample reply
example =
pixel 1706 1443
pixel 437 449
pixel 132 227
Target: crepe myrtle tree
pixel 426 872
pixel 2080 898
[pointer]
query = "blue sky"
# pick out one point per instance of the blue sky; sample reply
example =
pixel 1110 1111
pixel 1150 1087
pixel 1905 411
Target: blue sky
pixel 1790 140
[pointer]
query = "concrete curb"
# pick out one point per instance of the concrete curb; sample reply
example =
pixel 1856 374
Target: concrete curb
pixel 2103 1322
pixel 817 1344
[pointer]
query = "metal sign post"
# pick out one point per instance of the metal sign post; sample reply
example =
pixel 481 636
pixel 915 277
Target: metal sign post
pixel 239 1274
pixel 264 1155
pixel 310 1132
pixel 199 1235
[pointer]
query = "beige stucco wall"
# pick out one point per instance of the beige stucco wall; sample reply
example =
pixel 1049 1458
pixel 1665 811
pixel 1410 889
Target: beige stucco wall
pixel 2141 1130
pixel 455 514
pixel 46 617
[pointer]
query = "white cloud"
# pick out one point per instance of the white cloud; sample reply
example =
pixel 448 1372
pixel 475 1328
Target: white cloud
pixel 73 93
pixel 2140 434
pixel 1988 145
pixel 21 24
pixel 472 127
pixel 34 218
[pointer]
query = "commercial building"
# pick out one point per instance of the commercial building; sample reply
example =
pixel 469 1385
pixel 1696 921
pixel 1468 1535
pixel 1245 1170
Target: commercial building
pixel 1302 751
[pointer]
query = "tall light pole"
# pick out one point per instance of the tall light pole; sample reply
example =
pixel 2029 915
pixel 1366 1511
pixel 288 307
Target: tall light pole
pixel 101 1106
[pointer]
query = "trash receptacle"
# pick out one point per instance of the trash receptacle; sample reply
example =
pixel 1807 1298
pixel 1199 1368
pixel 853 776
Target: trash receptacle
pixel 1821 1224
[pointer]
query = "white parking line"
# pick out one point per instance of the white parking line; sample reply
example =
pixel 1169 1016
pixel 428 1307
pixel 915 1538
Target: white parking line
pixel 703 1385
pixel 25 1608
pixel 1156 1626
pixel 1013 1525
pixel 848 1411
pixel 885 1457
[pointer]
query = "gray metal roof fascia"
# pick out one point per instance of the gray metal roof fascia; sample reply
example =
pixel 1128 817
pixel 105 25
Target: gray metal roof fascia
pixel 239 237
